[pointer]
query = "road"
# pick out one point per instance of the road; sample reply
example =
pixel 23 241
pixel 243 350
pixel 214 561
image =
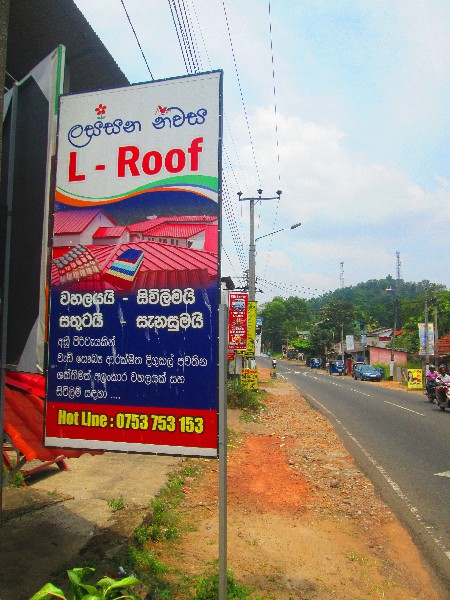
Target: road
pixel 399 440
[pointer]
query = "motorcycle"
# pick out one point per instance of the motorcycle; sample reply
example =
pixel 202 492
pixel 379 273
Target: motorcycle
pixel 431 391
pixel 446 404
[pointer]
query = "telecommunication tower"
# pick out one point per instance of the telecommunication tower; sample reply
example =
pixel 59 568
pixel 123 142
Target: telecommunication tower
pixel 399 264
pixel 341 274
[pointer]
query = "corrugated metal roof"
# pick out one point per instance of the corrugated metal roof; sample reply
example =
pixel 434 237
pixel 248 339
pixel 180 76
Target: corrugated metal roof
pixel 150 223
pixel 160 257
pixel 168 230
pixel 191 219
pixel 195 278
pixel 109 232
pixel 76 221
pixel 145 225
pixel 157 257
pixel 24 423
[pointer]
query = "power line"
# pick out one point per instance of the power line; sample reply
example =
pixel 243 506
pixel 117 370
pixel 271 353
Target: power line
pixel 276 135
pixel 240 91
pixel 288 286
pixel 137 39
pixel 185 34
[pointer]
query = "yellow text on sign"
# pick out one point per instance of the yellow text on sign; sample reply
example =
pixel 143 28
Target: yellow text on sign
pixel 415 379
pixel 250 379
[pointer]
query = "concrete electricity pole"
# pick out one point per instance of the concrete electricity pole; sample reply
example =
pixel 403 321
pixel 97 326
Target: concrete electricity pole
pixel 252 249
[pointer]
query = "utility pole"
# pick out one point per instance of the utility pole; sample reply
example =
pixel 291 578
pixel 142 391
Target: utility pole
pixel 436 337
pixel 395 300
pixel 252 248
pixel 427 353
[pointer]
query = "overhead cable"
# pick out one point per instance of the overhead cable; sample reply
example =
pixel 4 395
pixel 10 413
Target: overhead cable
pixel 240 91
pixel 276 135
pixel 288 286
pixel 137 39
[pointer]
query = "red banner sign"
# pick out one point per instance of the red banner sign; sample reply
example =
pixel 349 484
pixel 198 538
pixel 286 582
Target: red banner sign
pixel 237 321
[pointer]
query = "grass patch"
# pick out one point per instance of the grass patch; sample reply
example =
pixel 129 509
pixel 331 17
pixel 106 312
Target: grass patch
pixel 116 504
pixel 16 480
pixel 353 556
pixel 240 397
pixel 157 538
pixel 207 588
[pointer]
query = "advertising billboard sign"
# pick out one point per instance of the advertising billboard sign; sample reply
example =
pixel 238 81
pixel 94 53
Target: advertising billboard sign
pixel 426 340
pixel 251 327
pixel 133 325
pixel 237 321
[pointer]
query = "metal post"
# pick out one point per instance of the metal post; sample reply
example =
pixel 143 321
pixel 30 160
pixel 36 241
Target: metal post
pixel 391 370
pixel 436 337
pixel 342 345
pixel 252 255
pixel 7 248
pixel 223 321
pixel 252 248
pixel 427 353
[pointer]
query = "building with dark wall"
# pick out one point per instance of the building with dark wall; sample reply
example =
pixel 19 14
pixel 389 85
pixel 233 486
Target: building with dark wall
pixel 35 29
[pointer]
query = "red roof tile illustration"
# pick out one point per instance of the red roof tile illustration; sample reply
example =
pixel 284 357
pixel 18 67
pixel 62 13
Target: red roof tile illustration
pixel 109 232
pixel 143 226
pixel 77 263
pixel 76 221
pixel 195 278
pixel 156 258
pixel 169 230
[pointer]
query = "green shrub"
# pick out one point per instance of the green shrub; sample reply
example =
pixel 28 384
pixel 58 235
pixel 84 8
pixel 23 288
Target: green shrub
pixel 240 397
pixel 207 588
pixel 105 589
pixel 385 368
pixel 16 480
pixel 116 503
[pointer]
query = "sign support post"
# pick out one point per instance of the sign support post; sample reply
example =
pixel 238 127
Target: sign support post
pixel 223 347
pixel 7 248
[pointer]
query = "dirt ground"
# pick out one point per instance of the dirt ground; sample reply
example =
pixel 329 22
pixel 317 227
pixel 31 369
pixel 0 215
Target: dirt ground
pixel 63 520
pixel 303 522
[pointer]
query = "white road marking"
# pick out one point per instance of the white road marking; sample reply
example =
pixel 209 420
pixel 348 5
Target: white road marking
pixel 444 474
pixel 428 528
pixel 404 408
pixel 362 393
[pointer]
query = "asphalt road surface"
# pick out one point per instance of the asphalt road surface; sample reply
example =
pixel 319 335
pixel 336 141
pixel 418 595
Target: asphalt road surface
pixel 399 440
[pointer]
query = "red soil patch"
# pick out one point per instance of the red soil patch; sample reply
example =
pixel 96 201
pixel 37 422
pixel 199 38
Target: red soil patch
pixel 268 484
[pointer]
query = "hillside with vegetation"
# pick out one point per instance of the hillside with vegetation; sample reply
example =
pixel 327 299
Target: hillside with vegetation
pixel 355 310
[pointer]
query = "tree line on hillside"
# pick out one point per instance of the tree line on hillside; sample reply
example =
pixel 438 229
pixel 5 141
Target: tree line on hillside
pixel 355 310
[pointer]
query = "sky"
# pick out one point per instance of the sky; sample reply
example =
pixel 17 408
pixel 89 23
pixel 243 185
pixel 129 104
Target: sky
pixel 343 105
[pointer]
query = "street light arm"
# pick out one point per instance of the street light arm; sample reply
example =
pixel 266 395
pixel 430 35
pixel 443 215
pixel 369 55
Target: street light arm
pixel 278 231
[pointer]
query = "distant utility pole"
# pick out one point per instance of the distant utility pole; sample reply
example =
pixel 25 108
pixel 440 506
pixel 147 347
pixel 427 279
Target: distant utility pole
pixel 252 248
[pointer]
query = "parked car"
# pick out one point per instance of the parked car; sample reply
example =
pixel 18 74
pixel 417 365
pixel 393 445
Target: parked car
pixel 315 363
pixel 336 366
pixel 366 373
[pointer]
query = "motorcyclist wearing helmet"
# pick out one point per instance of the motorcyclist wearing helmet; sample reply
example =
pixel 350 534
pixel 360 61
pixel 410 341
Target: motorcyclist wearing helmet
pixel 442 381
pixel 430 377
